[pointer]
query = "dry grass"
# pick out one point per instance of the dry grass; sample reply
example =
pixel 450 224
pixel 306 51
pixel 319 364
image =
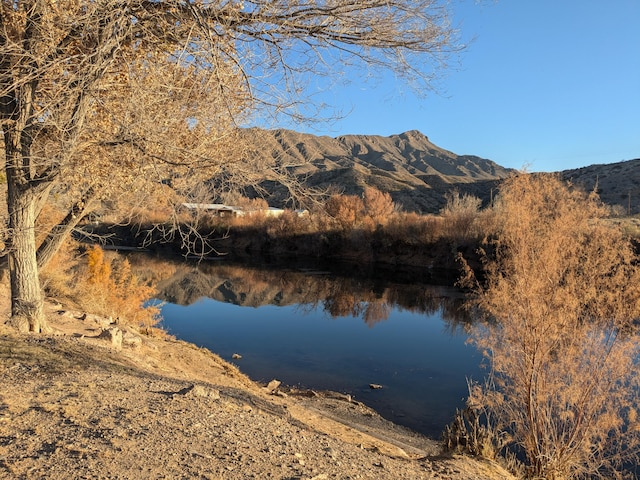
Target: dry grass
pixel 629 225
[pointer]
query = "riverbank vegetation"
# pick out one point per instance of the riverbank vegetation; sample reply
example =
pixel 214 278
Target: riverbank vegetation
pixel 561 304
pixel 102 283
pixel 368 228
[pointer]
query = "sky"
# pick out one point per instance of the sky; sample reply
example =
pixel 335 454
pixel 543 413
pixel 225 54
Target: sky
pixel 543 85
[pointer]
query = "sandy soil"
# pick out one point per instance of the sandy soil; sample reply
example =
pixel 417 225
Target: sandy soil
pixel 74 405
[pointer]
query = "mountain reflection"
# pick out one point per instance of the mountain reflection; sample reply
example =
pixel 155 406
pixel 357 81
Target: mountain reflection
pixel 339 295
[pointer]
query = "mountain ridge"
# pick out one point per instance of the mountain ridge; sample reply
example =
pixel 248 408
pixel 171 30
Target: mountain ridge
pixel 418 174
pixel 413 170
pixel 617 184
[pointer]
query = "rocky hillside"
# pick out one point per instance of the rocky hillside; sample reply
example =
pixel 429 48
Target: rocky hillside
pixel 417 173
pixel 618 184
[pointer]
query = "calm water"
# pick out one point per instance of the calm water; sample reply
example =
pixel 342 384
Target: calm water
pixel 322 331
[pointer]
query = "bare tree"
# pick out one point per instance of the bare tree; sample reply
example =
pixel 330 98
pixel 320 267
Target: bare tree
pixel 97 94
pixel 561 295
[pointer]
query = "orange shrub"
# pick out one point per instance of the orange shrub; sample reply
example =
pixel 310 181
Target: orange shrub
pixel 113 290
pixel 378 206
pixel 346 210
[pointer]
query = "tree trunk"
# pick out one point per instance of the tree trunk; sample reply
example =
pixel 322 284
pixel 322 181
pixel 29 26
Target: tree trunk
pixel 27 303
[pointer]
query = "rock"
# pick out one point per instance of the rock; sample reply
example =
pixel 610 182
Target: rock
pixel 236 356
pixel 273 385
pixel 375 386
pixel 205 392
pixel 114 335
pixel 131 340
pixel 199 391
pixel 90 317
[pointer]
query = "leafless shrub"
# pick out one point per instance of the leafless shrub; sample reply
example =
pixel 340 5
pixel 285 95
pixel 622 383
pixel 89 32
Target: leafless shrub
pixel 414 229
pixel 459 215
pixel 470 434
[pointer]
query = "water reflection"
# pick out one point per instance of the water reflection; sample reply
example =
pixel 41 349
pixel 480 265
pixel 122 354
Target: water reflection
pixel 370 299
pixel 324 329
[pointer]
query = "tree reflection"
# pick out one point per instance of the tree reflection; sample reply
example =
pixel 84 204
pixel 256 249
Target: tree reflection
pixel 376 312
pixel 343 304
pixel 339 296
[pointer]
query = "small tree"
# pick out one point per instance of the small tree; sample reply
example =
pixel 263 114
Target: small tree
pixel 113 290
pixel 378 206
pixel 561 294
pixel 346 210
pixel 459 214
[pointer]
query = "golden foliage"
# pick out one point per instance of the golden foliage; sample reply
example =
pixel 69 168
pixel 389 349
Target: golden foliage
pixel 113 290
pixel 346 210
pixel 105 285
pixel 378 206
pixel 561 294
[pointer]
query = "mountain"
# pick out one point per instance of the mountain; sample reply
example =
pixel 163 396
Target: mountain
pixel 415 172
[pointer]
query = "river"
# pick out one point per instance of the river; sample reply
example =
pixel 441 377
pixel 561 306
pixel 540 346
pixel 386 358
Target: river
pixel 342 329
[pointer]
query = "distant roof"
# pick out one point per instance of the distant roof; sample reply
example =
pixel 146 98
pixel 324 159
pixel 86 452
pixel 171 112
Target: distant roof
pixel 210 206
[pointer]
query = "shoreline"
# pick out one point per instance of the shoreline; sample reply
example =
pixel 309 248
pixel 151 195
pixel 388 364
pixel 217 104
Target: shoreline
pixel 157 407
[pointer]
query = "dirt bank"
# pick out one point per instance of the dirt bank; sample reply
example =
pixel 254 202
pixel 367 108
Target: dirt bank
pixel 74 405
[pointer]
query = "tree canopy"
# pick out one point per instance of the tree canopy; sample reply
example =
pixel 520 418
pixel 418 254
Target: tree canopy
pixel 99 95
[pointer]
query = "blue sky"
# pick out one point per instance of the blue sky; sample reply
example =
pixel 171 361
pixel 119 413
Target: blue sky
pixel 547 85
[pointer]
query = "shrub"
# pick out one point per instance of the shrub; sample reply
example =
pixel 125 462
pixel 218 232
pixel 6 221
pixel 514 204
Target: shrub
pixel 561 294
pixel 346 210
pixel 414 229
pixel 378 206
pixel 459 214
pixel 113 290
pixel 289 223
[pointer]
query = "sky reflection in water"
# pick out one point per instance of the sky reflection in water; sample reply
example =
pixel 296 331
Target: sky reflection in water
pixel 421 360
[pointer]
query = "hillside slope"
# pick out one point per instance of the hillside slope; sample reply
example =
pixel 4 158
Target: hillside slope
pixel 417 173
pixel 618 184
